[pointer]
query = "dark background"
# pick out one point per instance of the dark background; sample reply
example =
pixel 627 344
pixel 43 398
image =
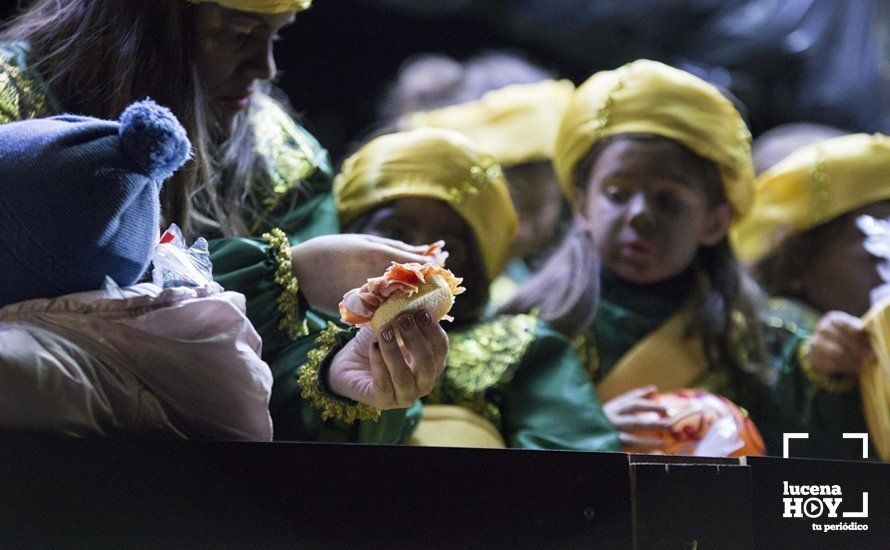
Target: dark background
pixel 786 60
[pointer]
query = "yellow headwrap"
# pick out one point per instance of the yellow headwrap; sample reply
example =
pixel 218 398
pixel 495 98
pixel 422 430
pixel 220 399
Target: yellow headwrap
pixel 652 98
pixel 261 6
pixel 814 185
pixel 437 164
pixel 516 124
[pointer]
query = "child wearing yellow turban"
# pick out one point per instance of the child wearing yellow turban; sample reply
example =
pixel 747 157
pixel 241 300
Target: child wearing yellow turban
pixel 807 249
pixel 509 379
pixel 658 166
pixel 517 125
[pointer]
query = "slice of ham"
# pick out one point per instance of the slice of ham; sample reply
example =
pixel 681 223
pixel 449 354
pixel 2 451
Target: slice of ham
pixel 360 304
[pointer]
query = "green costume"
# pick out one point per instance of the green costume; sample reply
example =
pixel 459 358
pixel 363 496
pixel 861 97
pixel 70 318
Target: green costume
pixel 797 403
pixel 526 380
pixel 788 403
pixel 293 335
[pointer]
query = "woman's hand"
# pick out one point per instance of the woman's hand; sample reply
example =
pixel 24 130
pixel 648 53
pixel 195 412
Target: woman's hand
pixel 328 267
pixel 376 370
pixel 840 345
pixel 636 411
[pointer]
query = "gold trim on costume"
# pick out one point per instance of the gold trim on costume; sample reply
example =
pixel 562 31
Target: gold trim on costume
pixel 482 361
pixel 310 384
pixel 819 177
pixel 667 358
pixel 292 155
pixel 819 379
pixel 20 96
pixel 291 323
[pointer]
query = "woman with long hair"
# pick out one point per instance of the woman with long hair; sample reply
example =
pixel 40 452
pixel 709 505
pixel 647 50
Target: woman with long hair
pixel 254 172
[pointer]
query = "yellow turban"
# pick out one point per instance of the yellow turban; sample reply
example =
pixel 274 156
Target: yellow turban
pixel 437 164
pixel 651 98
pixel 261 6
pixel 516 124
pixel 814 185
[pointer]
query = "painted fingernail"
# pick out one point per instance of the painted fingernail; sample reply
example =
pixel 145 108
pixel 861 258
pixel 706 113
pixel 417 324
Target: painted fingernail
pixel 388 335
pixel 406 322
pixel 424 318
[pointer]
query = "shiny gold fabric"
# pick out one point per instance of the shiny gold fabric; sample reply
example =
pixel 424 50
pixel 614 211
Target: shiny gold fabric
pixel 437 164
pixel 516 124
pixel 814 185
pixel 21 96
pixel 874 382
pixel 455 426
pixel 648 97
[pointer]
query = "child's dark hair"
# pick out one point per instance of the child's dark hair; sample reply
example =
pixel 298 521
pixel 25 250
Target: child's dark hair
pixel 727 305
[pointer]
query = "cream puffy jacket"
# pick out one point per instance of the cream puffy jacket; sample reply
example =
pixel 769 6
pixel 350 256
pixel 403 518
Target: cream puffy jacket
pixel 138 361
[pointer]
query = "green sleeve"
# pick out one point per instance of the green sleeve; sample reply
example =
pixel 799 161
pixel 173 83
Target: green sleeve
pixel 300 414
pixel 249 266
pixel 551 403
pixel 800 406
pixel 791 402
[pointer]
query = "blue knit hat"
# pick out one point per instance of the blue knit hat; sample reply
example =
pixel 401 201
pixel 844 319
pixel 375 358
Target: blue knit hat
pixel 79 199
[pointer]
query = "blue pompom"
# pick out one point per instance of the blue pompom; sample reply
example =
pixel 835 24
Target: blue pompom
pixel 153 139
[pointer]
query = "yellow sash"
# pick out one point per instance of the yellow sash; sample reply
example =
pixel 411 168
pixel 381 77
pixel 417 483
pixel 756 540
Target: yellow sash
pixel 666 358
pixel 874 382
pixel 455 426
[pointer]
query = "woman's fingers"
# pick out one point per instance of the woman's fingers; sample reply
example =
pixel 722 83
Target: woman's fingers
pixel 436 337
pixel 383 391
pixel 402 378
pixel 410 248
pixel 423 360
pixel 642 405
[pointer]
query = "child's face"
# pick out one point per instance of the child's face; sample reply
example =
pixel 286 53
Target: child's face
pixel 422 221
pixel 845 273
pixel 539 203
pixel 649 213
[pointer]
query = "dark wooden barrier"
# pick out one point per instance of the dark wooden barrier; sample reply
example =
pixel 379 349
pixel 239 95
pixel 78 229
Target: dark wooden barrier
pixel 62 492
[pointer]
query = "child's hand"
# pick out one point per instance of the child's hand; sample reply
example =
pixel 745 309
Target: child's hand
pixel 374 370
pixel 624 411
pixel 840 345
pixel 330 266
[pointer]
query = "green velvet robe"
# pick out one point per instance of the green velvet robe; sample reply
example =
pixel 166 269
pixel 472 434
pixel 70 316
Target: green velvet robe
pixel 525 379
pixel 788 403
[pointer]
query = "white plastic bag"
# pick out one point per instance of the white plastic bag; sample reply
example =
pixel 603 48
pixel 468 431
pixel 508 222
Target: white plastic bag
pixel 174 265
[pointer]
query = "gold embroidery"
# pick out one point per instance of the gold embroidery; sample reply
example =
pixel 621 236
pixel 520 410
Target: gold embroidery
pixel 585 347
pixel 823 381
pixel 482 361
pixel 819 178
pixel 311 385
pixel 790 316
pixel 480 176
pixel 604 115
pixel 291 323
pixel 20 96
pixel 292 154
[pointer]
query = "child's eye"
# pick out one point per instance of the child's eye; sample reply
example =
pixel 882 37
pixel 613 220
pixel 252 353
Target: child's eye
pixel 668 202
pixel 616 194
